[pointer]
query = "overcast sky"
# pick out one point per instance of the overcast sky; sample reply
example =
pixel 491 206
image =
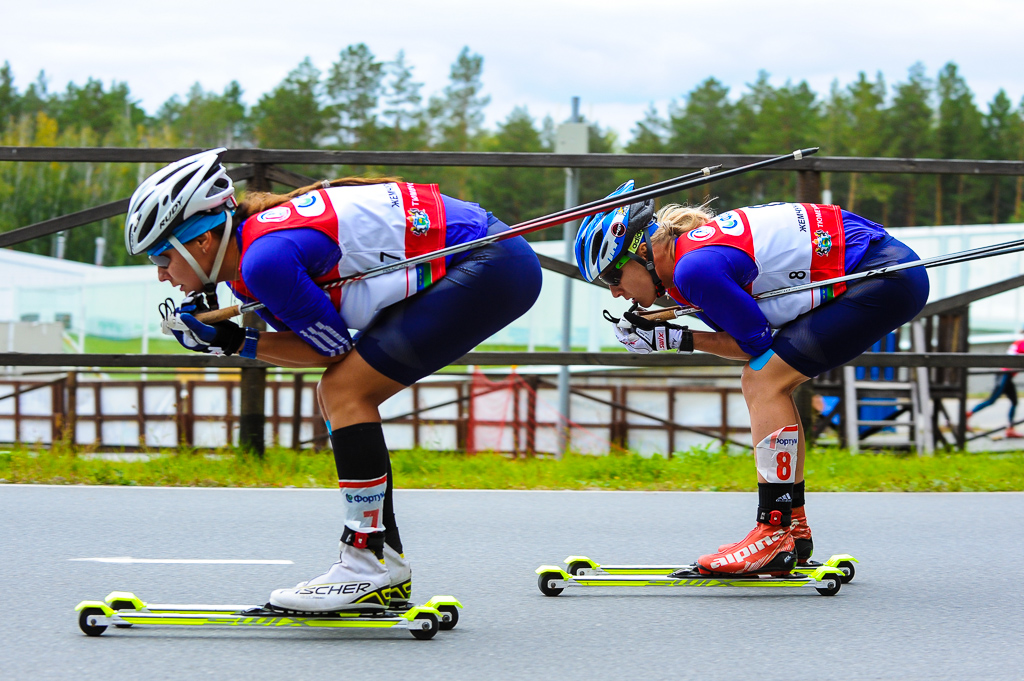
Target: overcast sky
pixel 619 57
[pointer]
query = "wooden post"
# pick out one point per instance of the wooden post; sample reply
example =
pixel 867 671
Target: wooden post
pixel 531 416
pixel 253 385
pixel 71 414
pixel 296 410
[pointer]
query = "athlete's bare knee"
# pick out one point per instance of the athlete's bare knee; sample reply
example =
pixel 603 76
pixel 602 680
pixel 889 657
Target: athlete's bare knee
pixel 775 380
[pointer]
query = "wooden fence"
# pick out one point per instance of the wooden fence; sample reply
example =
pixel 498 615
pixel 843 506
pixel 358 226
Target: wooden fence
pixel 260 167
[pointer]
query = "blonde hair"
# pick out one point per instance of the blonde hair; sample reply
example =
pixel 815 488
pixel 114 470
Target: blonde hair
pixel 257 202
pixel 676 219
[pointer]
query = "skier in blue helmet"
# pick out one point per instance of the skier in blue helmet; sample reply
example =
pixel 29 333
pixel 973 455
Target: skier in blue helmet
pixel 717 264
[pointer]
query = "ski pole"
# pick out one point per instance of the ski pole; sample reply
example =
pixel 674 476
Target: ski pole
pixel 695 179
pixel 669 313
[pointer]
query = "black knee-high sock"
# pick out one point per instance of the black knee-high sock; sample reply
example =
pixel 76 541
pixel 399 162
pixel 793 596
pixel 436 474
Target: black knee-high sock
pixel 360 453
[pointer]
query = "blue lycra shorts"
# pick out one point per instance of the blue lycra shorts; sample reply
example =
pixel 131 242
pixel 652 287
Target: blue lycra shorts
pixel 479 295
pixel 833 334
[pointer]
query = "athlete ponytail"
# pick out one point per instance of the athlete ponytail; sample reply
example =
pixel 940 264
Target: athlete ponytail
pixel 675 219
pixel 257 202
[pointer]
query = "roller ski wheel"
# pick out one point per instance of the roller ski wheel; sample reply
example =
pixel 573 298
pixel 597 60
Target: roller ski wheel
pixel 122 605
pixel 86 619
pixel 544 583
pixel 576 567
pixel 429 632
pixel 450 617
pixel 833 582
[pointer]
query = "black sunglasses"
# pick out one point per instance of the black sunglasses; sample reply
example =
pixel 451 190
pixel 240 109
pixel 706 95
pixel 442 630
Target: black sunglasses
pixel 612 275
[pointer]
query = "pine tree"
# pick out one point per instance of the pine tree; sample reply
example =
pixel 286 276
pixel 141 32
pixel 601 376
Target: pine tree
pixel 9 100
pixel 292 115
pixel 911 135
pixel 403 114
pixel 353 86
pixel 206 119
pixel 958 135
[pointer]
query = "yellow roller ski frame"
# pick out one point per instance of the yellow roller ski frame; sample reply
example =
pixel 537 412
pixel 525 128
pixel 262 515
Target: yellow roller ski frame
pixel 581 566
pixel 825 580
pixel 123 609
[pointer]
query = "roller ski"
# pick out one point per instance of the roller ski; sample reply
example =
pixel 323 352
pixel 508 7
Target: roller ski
pixel 766 557
pixel 581 566
pixel 124 610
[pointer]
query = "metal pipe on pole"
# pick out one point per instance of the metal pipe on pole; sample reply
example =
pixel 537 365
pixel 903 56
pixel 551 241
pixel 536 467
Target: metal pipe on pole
pixel 572 138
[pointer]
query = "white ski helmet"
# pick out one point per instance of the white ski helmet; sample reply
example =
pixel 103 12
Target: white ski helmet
pixel 608 239
pixel 168 197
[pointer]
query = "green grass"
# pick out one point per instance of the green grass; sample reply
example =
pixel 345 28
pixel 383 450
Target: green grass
pixel 828 470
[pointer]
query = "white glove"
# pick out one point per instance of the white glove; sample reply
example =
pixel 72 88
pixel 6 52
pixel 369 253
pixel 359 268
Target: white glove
pixel 644 342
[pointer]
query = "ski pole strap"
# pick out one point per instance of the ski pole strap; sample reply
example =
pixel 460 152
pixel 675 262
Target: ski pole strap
pixel 363 540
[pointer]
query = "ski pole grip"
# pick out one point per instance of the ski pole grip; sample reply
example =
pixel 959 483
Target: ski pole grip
pixel 663 315
pixel 214 316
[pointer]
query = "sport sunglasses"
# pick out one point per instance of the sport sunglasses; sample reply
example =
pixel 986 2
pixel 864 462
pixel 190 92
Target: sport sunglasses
pixel 612 275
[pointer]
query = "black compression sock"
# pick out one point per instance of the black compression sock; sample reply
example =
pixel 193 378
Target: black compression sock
pixel 775 503
pixel 798 494
pixel 360 452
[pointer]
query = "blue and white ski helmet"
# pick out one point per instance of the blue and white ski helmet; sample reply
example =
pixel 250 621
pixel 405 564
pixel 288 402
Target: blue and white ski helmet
pixel 606 238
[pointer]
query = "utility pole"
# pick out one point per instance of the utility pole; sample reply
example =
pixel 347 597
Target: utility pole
pixel 571 138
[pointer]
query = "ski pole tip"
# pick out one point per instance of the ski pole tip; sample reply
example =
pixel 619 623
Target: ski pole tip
pixel 800 153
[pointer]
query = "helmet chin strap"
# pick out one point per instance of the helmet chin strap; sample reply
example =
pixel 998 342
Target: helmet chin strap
pixel 648 263
pixel 209 280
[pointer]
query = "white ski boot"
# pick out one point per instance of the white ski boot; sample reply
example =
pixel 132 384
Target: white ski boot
pixel 359 581
pixel 400 572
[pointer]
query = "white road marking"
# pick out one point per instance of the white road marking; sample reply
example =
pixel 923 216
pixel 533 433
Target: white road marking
pixel 184 561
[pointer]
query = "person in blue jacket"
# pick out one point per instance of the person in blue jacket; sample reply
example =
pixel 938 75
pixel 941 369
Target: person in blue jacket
pixel 718 264
pixel 374 337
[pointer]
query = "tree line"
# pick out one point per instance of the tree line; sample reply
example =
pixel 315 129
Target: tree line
pixel 363 102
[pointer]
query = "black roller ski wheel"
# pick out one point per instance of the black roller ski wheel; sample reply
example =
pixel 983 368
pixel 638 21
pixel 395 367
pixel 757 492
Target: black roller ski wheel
pixel 837 583
pixel 90 629
pixel 847 565
pixel 123 605
pixel 428 633
pixel 576 568
pixel 542 584
pixel 451 616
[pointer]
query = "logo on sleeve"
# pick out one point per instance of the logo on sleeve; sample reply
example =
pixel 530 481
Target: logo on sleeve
pixel 419 221
pixel 822 243
pixel 278 214
pixel 730 223
pixel 309 205
pixel 702 233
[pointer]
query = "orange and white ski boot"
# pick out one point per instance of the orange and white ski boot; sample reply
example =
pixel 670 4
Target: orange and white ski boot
pixel 766 550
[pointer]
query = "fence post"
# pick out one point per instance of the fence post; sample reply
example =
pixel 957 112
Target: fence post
pixel 253 385
pixel 71 411
pixel 297 410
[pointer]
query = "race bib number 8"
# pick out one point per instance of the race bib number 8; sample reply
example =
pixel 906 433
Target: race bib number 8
pixel 775 455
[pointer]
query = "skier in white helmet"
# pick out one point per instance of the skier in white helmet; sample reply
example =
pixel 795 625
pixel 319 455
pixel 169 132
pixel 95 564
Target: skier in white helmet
pixel 279 250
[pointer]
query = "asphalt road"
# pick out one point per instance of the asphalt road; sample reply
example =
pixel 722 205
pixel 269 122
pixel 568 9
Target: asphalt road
pixel 938 593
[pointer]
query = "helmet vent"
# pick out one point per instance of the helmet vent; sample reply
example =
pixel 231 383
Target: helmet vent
pixel 147 227
pixel 180 184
